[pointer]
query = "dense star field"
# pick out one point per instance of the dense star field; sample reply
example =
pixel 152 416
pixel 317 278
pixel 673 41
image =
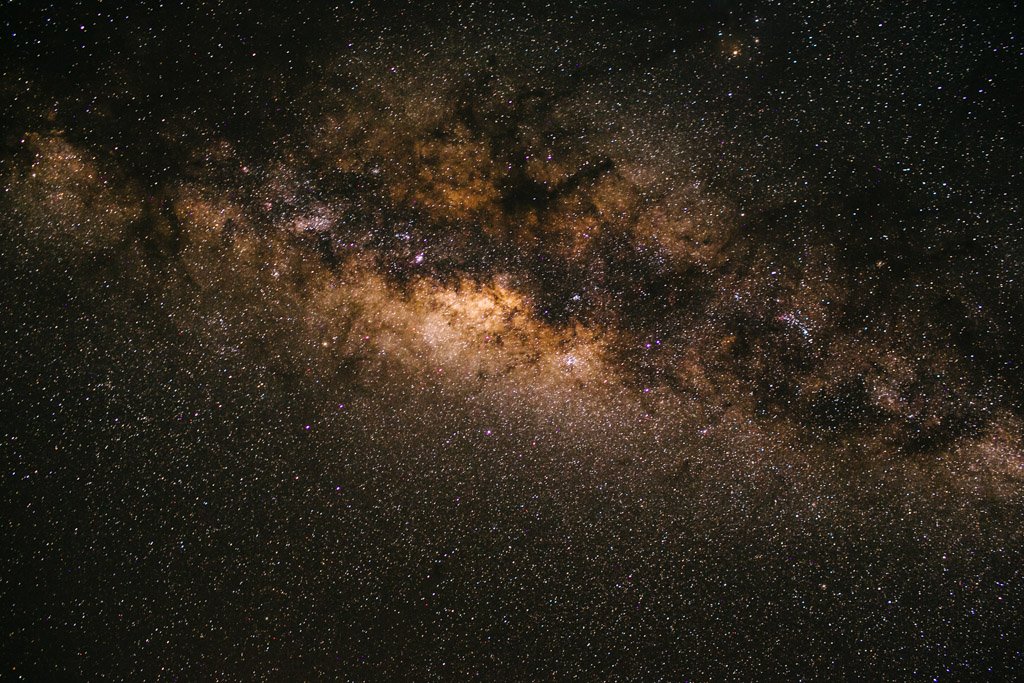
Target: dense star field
pixel 607 341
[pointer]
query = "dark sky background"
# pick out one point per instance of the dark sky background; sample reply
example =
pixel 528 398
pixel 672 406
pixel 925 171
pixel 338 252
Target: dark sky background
pixel 458 341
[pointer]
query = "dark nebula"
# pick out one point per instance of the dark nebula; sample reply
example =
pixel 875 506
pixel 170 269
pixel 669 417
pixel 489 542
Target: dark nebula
pixel 479 342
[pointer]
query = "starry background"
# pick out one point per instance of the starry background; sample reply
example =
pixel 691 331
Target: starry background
pixel 468 341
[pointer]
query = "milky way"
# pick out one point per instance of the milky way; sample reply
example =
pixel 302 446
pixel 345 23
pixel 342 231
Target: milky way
pixel 461 342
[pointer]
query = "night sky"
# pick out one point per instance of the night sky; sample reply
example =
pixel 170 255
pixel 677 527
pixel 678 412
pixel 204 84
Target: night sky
pixel 603 341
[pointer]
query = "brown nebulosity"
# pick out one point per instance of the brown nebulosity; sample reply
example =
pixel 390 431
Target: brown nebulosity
pixel 477 240
pixel 497 160
pixel 453 179
pixel 688 226
pixel 65 200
